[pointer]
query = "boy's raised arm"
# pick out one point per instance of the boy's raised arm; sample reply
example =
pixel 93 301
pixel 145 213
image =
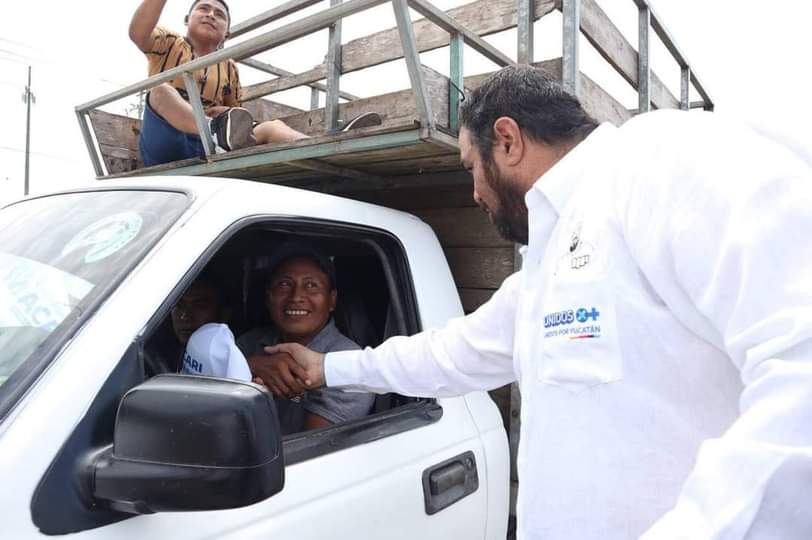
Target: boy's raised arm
pixel 144 21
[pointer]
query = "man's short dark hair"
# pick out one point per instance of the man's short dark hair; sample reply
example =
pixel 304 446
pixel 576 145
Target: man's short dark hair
pixel 196 2
pixel 294 249
pixel 210 280
pixel 538 103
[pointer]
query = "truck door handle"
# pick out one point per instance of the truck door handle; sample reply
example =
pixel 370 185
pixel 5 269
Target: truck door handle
pixel 449 481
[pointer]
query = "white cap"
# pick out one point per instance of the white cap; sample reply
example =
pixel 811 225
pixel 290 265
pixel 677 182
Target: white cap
pixel 211 351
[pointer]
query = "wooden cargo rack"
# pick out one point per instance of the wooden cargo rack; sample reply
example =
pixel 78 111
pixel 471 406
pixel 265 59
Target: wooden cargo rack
pixel 418 133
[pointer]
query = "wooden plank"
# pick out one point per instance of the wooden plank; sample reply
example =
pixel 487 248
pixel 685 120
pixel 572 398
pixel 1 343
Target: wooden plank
pixel 394 108
pixel 473 298
pixel 412 151
pixel 119 160
pixel 480 268
pixel 602 33
pixel 315 88
pixel 595 100
pixel 483 17
pixel 393 183
pixel 115 130
pixel 599 103
pixel 265 109
pixel 412 199
pixel 320 166
pixel 254 91
pixel 462 227
pixel 272 15
pixel 117 136
pixel 414 166
pixel 450 25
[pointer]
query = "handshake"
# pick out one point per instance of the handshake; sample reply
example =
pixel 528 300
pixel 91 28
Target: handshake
pixel 288 369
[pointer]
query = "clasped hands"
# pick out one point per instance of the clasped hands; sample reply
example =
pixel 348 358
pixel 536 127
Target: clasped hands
pixel 288 369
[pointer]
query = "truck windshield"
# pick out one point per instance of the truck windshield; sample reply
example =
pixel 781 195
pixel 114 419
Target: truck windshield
pixel 60 254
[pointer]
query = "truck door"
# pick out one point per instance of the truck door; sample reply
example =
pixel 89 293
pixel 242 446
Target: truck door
pixel 412 468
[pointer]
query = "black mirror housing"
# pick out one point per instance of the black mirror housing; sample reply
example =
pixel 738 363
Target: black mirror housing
pixel 187 443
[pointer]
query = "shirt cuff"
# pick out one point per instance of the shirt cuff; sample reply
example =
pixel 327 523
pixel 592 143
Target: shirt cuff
pixel 343 369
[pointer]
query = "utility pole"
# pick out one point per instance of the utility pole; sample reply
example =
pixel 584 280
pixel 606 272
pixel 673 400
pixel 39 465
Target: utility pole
pixel 28 98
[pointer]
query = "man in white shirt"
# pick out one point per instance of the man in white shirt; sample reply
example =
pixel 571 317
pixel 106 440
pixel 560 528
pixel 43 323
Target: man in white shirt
pixel 660 328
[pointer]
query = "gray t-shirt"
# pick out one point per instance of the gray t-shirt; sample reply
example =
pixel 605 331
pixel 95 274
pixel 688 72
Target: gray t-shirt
pixel 330 403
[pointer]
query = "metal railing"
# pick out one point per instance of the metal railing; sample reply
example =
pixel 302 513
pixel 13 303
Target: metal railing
pixel 328 18
pixel 647 20
pixel 460 36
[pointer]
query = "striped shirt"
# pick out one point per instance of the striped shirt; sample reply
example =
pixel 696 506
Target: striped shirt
pixel 218 84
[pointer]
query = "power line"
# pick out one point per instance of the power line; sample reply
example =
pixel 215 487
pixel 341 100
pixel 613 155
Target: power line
pixel 43 154
pixel 55 66
pixel 17 43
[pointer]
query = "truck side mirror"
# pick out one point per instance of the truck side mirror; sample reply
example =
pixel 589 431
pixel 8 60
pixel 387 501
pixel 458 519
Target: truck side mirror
pixel 187 443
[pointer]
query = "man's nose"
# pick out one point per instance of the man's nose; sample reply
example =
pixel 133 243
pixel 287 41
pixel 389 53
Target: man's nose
pixel 297 292
pixel 477 198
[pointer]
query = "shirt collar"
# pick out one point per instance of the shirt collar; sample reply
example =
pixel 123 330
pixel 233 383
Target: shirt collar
pixel 320 341
pixel 559 183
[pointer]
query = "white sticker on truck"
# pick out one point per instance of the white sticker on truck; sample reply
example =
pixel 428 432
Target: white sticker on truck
pixel 37 295
pixel 105 236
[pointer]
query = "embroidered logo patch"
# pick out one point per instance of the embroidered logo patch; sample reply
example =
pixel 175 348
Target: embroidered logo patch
pixel 580 323
pixel 579 253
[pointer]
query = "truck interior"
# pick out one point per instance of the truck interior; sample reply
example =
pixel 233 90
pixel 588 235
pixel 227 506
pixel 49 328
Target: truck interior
pixel 375 298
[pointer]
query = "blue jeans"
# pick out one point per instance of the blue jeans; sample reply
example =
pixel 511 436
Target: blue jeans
pixel 159 142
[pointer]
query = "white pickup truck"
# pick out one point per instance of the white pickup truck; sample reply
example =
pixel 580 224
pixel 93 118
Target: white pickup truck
pixel 97 442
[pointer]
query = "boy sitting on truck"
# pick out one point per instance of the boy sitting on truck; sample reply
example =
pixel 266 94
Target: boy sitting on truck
pixel 169 131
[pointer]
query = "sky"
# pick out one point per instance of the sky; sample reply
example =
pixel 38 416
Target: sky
pixel 752 57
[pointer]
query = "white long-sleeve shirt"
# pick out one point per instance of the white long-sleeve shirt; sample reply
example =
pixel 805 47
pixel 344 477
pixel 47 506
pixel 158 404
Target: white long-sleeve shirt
pixel 660 332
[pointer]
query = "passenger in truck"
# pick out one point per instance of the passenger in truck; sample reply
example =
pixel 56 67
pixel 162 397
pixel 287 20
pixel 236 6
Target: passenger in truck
pixel 300 297
pixel 201 342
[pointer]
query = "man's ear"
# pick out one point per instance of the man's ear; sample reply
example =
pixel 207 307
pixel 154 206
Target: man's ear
pixel 223 43
pixel 508 139
pixel 186 20
pixel 333 299
pixel 226 314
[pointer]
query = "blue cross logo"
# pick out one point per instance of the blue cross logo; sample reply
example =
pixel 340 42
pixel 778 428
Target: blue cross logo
pixel 582 315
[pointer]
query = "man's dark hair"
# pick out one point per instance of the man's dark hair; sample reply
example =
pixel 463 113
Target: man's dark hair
pixel 294 249
pixel 210 280
pixel 538 103
pixel 196 2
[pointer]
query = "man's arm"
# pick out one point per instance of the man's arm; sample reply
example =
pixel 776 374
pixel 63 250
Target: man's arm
pixel 143 23
pixel 725 242
pixel 470 353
